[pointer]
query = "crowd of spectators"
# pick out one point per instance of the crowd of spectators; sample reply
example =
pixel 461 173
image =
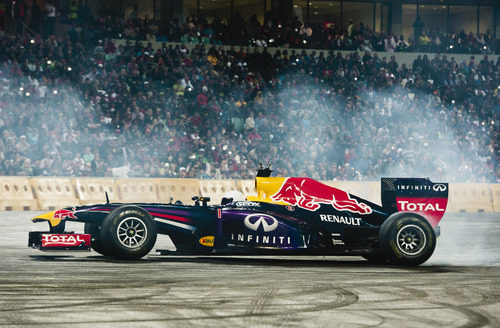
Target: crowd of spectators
pixel 295 34
pixel 72 107
pixel 274 32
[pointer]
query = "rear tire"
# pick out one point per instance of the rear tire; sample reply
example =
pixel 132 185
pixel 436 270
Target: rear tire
pixel 407 239
pixel 129 232
pixel 97 243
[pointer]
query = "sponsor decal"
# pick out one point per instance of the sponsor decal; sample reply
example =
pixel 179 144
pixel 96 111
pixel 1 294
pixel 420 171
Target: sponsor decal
pixel 267 222
pixel 247 204
pixel 65 240
pixel 309 194
pixel 260 239
pixel 219 213
pixel 340 219
pixel 261 223
pixel 207 241
pixel 63 214
pixel 439 187
pixel 335 241
pixel 413 187
pixel 421 207
pixel 431 208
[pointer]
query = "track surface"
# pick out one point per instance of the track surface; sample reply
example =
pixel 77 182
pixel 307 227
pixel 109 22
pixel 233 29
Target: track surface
pixel 458 287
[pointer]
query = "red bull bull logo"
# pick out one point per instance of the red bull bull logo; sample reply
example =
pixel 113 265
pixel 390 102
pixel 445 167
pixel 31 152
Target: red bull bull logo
pixel 310 194
pixel 63 214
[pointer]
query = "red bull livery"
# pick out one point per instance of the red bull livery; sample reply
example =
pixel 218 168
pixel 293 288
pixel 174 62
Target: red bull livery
pixel 63 214
pixel 292 215
pixel 309 194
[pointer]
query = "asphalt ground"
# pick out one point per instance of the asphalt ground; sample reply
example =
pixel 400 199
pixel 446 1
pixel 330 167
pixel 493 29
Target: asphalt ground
pixel 458 287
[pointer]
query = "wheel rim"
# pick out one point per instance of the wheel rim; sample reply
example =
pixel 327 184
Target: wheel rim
pixel 132 232
pixel 411 240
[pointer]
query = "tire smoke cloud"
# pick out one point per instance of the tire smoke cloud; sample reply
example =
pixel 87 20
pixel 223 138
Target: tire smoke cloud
pixel 368 135
pixel 302 125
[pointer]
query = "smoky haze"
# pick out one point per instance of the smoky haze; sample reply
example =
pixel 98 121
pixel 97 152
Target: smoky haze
pixel 398 132
pixel 305 126
pixel 471 234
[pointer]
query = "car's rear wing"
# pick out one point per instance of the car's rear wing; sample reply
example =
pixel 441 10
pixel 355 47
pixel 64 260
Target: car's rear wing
pixel 416 195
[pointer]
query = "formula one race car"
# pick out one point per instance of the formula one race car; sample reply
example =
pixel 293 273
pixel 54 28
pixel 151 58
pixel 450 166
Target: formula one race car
pixel 289 216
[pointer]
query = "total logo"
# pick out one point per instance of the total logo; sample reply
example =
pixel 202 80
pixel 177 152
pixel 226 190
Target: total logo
pixel 267 222
pixel 65 240
pixel 408 206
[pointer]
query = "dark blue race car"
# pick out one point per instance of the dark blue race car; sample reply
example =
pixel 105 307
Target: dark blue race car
pixel 288 216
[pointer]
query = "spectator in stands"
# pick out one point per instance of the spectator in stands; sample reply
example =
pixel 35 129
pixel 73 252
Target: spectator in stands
pixel 36 17
pixel 175 112
pixel 418 28
pixel 50 13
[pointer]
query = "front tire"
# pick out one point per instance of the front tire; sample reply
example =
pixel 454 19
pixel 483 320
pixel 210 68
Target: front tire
pixel 97 243
pixel 407 239
pixel 129 232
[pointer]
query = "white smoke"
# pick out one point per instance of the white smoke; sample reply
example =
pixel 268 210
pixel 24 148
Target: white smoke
pixel 310 129
pixel 398 132
pixel 466 239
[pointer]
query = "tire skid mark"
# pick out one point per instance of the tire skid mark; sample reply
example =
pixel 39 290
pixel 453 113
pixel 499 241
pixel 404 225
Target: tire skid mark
pixel 463 295
pixel 489 296
pixel 474 317
pixel 259 302
pixel 290 319
pixel 127 321
pixel 382 322
pixel 386 322
pixel 396 293
pixel 415 291
pixel 15 319
pixel 345 298
pixel 93 301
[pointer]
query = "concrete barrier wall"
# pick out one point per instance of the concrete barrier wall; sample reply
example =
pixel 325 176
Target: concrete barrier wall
pixel 54 193
pixel 16 194
pixel 173 190
pixel 476 197
pixel 93 190
pixel 49 193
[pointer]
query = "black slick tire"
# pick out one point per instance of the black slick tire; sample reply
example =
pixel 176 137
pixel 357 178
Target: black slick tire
pixel 407 239
pixel 96 244
pixel 129 232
